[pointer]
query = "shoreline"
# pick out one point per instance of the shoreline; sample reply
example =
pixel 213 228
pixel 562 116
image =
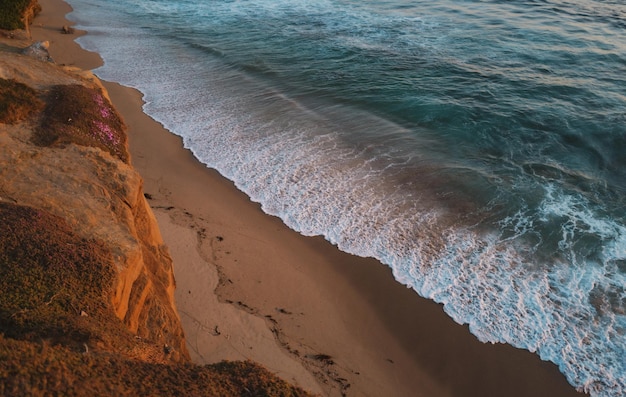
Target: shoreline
pixel 331 322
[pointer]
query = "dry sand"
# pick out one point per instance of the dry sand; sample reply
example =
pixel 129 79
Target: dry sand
pixel 250 288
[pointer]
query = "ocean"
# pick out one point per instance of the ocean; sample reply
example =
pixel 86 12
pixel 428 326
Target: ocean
pixel 478 148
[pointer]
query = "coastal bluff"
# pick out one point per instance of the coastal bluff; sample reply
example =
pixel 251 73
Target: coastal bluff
pixel 98 196
pixel 86 281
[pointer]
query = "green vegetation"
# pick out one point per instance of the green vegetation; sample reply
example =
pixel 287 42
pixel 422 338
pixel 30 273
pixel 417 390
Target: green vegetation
pixel 17 101
pixel 59 335
pixel 13 13
pixel 81 115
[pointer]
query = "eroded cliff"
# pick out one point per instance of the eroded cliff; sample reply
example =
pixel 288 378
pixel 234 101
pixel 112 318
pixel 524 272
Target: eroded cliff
pixel 95 191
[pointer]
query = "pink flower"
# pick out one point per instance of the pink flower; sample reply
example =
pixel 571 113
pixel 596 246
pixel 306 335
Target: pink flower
pixel 105 133
pixel 105 112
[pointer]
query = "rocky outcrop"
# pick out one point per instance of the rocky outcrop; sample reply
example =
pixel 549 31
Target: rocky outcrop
pixel 67 30
pixel 39 50
pixel 99 196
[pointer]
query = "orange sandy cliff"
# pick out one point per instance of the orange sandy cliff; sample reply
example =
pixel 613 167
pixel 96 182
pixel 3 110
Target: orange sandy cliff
pixel 97 195
pixel 86 282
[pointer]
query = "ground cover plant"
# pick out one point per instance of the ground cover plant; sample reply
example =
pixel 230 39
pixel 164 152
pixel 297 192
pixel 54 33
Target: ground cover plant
pixel 17 101
pixel 37 368
pixel 49 276
pixel 84 116
pixel 59 335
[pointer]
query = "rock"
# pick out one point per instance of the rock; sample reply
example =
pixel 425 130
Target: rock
pixel 39 50
pixel 67 29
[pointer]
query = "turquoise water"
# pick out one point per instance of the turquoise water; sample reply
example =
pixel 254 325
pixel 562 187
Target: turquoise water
pixel 477 148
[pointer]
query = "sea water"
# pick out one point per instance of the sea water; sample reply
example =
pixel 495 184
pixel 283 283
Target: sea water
pixel 478 148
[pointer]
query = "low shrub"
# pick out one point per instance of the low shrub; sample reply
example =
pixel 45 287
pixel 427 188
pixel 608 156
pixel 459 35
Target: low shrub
pixel 13 13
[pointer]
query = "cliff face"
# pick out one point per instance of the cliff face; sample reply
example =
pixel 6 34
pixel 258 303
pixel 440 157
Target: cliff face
pixel 97 194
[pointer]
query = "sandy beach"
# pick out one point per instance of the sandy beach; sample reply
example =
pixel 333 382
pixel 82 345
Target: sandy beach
pixel 248 287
